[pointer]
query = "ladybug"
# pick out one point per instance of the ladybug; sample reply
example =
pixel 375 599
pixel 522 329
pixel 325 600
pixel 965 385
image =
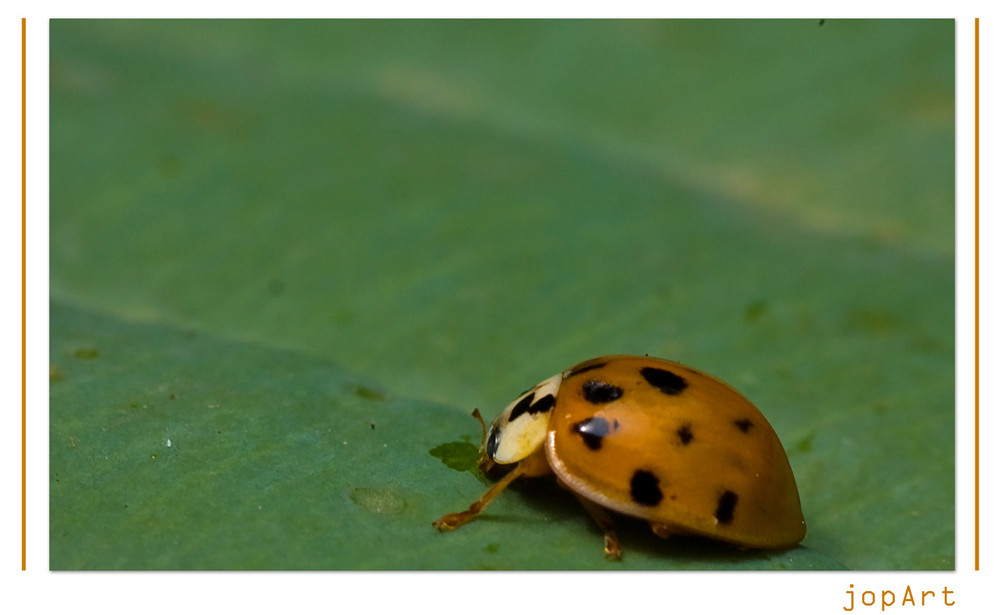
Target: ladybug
pixel 653 439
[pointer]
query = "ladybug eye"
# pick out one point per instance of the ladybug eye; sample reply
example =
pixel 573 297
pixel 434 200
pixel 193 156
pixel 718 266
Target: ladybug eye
pixel 492 442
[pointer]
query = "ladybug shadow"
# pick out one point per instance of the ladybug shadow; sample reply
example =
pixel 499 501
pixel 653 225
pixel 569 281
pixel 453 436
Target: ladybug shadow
pixel 635 535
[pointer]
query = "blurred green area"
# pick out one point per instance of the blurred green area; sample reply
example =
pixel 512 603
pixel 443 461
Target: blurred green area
pixel 272 237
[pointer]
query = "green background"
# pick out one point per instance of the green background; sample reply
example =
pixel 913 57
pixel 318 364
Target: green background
pixel 289 258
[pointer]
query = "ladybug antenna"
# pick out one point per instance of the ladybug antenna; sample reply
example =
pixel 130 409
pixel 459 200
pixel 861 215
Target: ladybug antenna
pixel 482 423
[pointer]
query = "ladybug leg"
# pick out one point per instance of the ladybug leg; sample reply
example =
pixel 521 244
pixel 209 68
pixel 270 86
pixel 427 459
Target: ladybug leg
pixel 661 530
pixel 454 521
pixel 612 548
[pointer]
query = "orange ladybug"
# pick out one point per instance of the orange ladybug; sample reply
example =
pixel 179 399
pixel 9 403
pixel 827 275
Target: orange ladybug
pixel 653 439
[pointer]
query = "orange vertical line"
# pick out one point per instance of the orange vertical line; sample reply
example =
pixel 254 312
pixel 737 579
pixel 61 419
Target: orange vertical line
pixel 24 298
pixel 977 295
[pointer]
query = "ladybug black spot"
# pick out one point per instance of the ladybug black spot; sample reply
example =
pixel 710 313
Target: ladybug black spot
pixel 592 431
pixel 743 424
pixel 532 406
pixel 542 405
pixel 666 381
pixel 597 392
pixel 521 407
pixel 727 504
pixel 684 433
pixel 585 368
pixel 645 488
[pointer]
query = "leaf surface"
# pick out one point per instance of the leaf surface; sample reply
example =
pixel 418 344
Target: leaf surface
pixel 304 229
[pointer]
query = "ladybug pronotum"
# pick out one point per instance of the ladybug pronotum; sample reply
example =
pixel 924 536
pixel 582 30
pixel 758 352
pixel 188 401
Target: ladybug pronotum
pixel 652 439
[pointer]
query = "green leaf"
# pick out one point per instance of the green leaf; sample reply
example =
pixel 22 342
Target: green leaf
pixel 173 449
pixel 272 238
